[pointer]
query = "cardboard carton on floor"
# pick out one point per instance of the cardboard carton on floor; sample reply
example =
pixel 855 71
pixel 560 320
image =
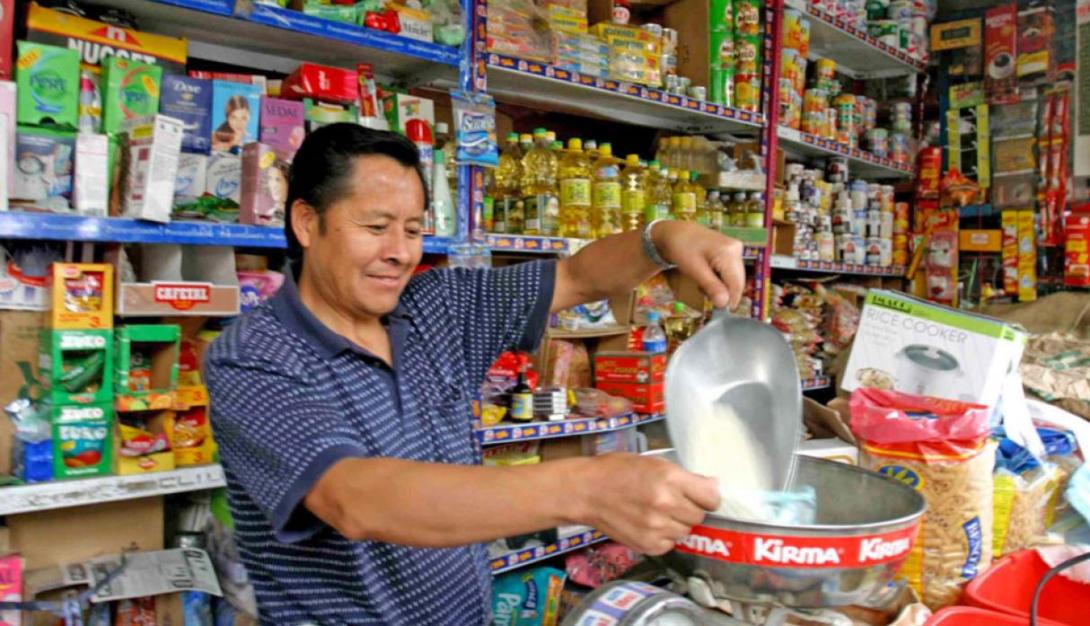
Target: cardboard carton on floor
pixel 18 369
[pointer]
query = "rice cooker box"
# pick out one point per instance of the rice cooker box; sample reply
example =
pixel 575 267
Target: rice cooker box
pixel 918 347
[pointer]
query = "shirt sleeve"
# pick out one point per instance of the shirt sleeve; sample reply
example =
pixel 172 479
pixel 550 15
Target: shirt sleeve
pixel 498 309
pixel 276 438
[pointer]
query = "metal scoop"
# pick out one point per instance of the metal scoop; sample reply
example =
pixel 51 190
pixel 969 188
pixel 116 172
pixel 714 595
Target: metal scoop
pixel 741 370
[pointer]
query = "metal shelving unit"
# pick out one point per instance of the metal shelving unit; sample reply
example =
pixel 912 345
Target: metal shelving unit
pixel 528 556
pixel 507 433
pixel 70 493
pixel 861 163
pixel 791 263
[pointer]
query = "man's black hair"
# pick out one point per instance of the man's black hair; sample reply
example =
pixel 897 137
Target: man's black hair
pixel 322 168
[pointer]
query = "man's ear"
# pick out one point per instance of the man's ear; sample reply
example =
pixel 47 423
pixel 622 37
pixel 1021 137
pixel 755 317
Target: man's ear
pixel 304 223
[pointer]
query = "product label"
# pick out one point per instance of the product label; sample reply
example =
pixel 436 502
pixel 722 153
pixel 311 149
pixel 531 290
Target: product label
pixel 633 201
pixel 607 195
pixel 974 537
pixel 684 203
pixel 799 551
pixel 182 296
pixel 575 192
pixel 82 342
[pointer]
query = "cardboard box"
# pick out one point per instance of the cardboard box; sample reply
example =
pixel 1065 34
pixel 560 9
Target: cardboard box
pixel 19 332
pixel 235 111
pixel 401 107
pixel 47 84
pixel 264 186
pixel 154 144
pixel 130 90
pixel 1027 256
pixel 190 182
pixel 96 41
pixel 189 100
pixel 1076 251
pixel 954 35
pixel 7 120
pixel 223 179
pixel 147 359
pixel 91 187
pixel 1010 252
pixel 1000 47
pixel 318 114
pixel 831 449
pixel 921 348
pixel 142 442
pixel 629 367
pixel 82 439
pixel 77 366
pixel 646 397
pixel 82 296
pixel 283 126
pixel 190 430
pixel 45 179
pixel 1036 45
pixel 980 240
pixel 168 286
pixel 321 82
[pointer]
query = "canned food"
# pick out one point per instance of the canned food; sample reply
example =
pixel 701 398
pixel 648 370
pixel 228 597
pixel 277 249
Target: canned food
pixel 722 87
pixel 886 193
pixel 874 223
pixel 898 147
pixel 668 63
pixel 672 83
pixel 886 31
pixel 885 230
pixel 789 65
pixel 830 124
pixel 699 92
pixel 747 51
pixel 845 119
pixel 870 114
pixel 669 40
pixel 747 91
pixel 654 29
pixel 900 10
pixel 826 69
pixel 878 142
pixel 683 84
pixel 721 45
pixel 901 210
pixel 796 31
pixel 858 195
pixel 908 41
pixel 747 17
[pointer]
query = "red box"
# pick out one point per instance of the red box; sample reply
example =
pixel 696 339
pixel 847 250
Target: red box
pixel 7 26
pixel 1000 56
pixel 1077 248
pixel 321 82
pixel 930 172
pixel 629 367
pixel 645 397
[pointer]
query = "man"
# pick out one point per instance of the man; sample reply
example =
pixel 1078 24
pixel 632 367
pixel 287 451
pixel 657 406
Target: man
pixel 341 406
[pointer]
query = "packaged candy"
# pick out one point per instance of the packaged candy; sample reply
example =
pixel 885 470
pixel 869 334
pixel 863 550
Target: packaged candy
pixel 528 598
pixel 475 128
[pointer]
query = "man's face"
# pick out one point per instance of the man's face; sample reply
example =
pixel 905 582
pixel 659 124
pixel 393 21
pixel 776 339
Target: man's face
pixel 371 241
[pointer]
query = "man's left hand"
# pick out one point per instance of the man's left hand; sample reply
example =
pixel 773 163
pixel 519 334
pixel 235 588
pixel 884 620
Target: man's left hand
pixel 712 259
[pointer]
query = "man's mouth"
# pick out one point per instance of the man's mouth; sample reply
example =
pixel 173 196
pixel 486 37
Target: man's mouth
pixel 388 280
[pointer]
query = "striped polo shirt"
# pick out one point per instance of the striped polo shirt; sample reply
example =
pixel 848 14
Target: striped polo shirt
pixel 290 398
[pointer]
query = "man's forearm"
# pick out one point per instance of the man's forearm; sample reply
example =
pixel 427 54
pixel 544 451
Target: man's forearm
pixel 436 505
pixel 603 268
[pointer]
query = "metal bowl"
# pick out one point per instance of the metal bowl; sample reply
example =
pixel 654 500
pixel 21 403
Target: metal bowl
pixel 865 527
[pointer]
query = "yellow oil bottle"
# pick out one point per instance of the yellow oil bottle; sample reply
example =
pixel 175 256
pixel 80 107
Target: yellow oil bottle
pixel 539 192
pixel 633 194
pixel 576 179
pixel 684 198
pixel 506 192
pixel 605 214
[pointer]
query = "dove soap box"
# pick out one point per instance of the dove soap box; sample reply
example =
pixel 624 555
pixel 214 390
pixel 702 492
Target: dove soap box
pixel 189 100
pixel 130 90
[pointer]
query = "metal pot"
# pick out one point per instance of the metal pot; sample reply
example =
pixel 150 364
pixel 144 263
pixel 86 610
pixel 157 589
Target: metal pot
pixel 864 529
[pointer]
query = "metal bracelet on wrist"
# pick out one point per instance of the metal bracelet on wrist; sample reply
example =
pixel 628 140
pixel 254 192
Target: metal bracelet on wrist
pixel 651 250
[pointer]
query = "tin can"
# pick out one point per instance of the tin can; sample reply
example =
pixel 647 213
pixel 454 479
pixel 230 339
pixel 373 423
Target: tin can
pixel 654 29
pixel 825 69
pixel 845 119
pixel 672 83
pixel 885 230
pixel 721 50
pixel 669 40
pixel 874 223
pixel 830 124
pixel 901 211
pixel 698 92
pixel 898 147
pixel 668 62
pixel 909 41
pixel 858 194
pixel 747 17
pixel 826 243
pixel 747 53
pixel 874 252
pixel 747 91
pixel 886 193
pixel 789 65
pixel 836 169
pixel 683 84
pixel 796 31
pixel 878 142
pixel 886 31
pixel 870 114
pixel 858 225
pixel 876 9
pixel 900 10
pixel 722 87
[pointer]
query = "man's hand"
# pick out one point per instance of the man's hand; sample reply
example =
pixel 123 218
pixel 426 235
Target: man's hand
pixel 709 257
pixel 645 503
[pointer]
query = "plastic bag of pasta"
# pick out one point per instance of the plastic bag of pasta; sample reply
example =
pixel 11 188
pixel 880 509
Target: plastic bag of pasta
pixel 940 448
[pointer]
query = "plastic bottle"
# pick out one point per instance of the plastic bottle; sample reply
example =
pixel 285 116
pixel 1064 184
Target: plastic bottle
pixel 538 186
pixel 605 216
pixel 663 154
pixel 684 198
pixel 419 133
pixel 709 214
pixel 654 337
pixel 658 194
pixel 591 148
pixel 701 193
pixel 755 210
pixel 633 194
pixel 738 210
pixel 445 142
pixel 505 186
pixel 575 192
pixel 442 206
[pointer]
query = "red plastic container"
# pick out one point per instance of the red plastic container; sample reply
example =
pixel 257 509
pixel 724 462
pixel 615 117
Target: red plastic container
pixel 1008 588
pixel 972 616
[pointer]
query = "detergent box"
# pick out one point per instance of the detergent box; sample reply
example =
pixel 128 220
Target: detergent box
pixel 129 90
pixel 47 80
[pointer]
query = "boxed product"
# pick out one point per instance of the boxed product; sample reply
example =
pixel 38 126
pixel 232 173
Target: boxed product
pixel 190 182
pixel 980 240
pixel 129 90
pixel 43 175
pixel 283 126
pixel 223 178
pixel 1014 190
pixel 154 144
pixel 264 186
pixel 47 83
pixel 1036 41
pixel 7 120
pixel 1077 249
pixel 645 397
pixel 930 172
pixel 968 143
pixel 82 296
pixel 401 107
pixel 189 100
pixel 318 114
pixel 1010 252
pixel 166 285
pixel 321 82
pixel 236 108
pixel 1014 154
pixel 1000 44
pixel 82 439
pixel 77 366
pixel 918 347
pixel 147 360
pixel 190 430
pixel 142 442
pixel 96 41
pixel 7 33
pixel 11 566
pixel 91 188
pixel 629 367
pixel 1027 256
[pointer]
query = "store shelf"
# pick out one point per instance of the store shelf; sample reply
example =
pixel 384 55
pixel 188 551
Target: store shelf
pixel 861 164
pixel 856 53
pixel 506 433
pixel 749 253
pixel 788 263
pixel 813 384
pixel 543 86
pixel 70 493
pixel 270 38
pixel 529 556
pixel 528 244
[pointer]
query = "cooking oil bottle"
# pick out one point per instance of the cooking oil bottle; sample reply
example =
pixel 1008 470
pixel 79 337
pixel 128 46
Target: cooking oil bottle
pixel 755 210
pixel 684 198
pixel 701 193
pixel 713 211
pixel 506 186
pixel 539 187
pixel 591 148
pixel 633 194
pixel 605 215
pixel 737 210
pixel 575 192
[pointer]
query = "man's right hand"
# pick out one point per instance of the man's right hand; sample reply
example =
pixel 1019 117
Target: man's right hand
pixel 645 503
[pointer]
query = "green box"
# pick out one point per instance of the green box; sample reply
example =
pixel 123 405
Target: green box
pixel 130 89
pixel 755 237
pixel 82 439
pixel 147 358
pixel 77 366
pixel 47 84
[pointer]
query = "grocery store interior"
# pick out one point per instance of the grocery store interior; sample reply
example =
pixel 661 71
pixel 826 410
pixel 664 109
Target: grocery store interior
pixel 897 409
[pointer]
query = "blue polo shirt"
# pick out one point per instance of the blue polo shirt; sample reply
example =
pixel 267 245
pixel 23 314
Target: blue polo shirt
pixel 290 398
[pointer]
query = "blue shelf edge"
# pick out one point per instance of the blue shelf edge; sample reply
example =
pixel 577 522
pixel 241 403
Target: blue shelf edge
pixel 508 433
pixel 521 558
pixel 215 7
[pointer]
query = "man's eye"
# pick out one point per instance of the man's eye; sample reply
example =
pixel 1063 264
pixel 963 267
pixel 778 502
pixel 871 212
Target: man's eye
pixel 377 228
pixel 414 232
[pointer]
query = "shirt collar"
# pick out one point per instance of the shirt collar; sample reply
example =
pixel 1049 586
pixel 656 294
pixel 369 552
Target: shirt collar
pixel 288 307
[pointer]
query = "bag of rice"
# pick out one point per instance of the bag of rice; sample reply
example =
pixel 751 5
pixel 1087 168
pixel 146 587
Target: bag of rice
pixel 940 448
